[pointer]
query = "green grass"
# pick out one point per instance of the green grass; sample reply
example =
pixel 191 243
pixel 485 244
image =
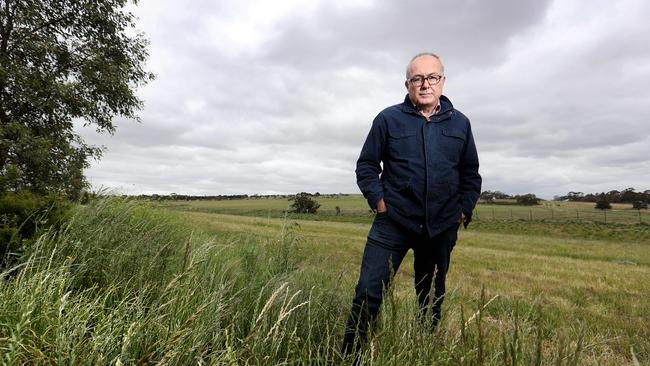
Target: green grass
pixel 128 283
pixel 599 285
pixel 353 208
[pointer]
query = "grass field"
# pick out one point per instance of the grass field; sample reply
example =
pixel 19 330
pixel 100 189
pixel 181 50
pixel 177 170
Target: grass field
pixel 356 206
pixel 236 283
pixel 585 276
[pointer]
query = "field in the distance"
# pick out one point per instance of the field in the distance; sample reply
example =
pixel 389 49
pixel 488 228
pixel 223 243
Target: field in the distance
pixel 355 205
pixel 587 277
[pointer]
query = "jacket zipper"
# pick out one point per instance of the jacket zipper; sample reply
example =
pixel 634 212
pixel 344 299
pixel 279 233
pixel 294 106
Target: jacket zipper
pixel 426 178
pixel 426 168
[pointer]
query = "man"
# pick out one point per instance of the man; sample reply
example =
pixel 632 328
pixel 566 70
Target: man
pixel 428 186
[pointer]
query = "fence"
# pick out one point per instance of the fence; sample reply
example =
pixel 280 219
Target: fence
pixel 498 212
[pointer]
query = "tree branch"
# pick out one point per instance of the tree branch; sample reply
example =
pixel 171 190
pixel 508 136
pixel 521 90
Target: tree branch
pixel 50 23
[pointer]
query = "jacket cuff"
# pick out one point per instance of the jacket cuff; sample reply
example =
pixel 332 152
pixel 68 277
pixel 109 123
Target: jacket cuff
pixel 373 199
pixel 468 218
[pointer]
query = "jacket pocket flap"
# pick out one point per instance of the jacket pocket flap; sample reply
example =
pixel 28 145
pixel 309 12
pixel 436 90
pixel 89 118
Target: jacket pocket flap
pixel 454 133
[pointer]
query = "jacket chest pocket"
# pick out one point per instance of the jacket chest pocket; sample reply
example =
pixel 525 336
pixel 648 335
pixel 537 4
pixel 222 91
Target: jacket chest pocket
pixel 403 144
pixel 452 143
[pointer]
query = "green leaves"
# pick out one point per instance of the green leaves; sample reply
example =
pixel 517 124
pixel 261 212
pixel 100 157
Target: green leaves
pixel 62 61
pixel 303 203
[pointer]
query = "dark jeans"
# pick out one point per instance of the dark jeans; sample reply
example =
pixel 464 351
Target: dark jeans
pixel 386 247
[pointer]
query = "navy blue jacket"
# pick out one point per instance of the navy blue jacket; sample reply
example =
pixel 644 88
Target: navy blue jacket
pixel 430 168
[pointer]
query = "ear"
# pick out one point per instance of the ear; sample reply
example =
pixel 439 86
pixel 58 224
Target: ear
pixel 406 84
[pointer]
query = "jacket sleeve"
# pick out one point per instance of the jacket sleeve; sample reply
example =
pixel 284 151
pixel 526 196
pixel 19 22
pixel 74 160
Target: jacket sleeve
pixel 368 164
pixel 470 179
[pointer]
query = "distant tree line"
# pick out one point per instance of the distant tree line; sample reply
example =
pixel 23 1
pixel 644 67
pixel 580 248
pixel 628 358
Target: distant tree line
pixel 186 197
pixel 628 195
pixel 498 197
pixel 638 199
pixel 492 196
pixel 222 197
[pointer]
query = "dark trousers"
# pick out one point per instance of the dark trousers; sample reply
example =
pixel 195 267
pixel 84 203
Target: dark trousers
pixel 386 247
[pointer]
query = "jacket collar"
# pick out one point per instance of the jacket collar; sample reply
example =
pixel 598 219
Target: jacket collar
pixel 409 107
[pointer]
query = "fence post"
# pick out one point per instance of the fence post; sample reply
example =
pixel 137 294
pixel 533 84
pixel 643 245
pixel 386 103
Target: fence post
pixel 605 214
pixel 552 215
pixel 492 213
pixel 511 214
pixel 577 215
pixel 531 214
pixel 640 221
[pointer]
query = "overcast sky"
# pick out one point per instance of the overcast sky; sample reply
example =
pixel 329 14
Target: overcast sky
pixel 278 96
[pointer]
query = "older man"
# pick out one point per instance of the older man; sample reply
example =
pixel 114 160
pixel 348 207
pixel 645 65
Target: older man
pixel 428 186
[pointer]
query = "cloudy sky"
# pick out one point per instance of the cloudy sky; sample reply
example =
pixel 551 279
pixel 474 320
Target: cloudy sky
pixel 277 96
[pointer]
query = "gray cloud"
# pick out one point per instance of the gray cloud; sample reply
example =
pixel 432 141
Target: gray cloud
pixel 254 97
pixel 387 33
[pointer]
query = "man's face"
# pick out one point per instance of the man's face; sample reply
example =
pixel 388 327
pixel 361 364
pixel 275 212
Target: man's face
pixel 425 95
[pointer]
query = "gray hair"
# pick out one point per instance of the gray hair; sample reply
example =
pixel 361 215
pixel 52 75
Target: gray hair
pixel 420 55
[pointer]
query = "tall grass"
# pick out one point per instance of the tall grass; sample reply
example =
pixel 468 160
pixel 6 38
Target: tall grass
pixel 123 283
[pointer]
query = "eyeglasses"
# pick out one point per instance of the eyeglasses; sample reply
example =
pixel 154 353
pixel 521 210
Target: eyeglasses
pixel 418 80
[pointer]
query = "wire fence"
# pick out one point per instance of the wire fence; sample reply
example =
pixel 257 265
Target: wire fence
pixel 495 212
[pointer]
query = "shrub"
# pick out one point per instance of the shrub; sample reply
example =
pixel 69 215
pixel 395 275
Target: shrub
pixel 602 204
pixel 303 203
pixel 527 199
pixel 23 215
